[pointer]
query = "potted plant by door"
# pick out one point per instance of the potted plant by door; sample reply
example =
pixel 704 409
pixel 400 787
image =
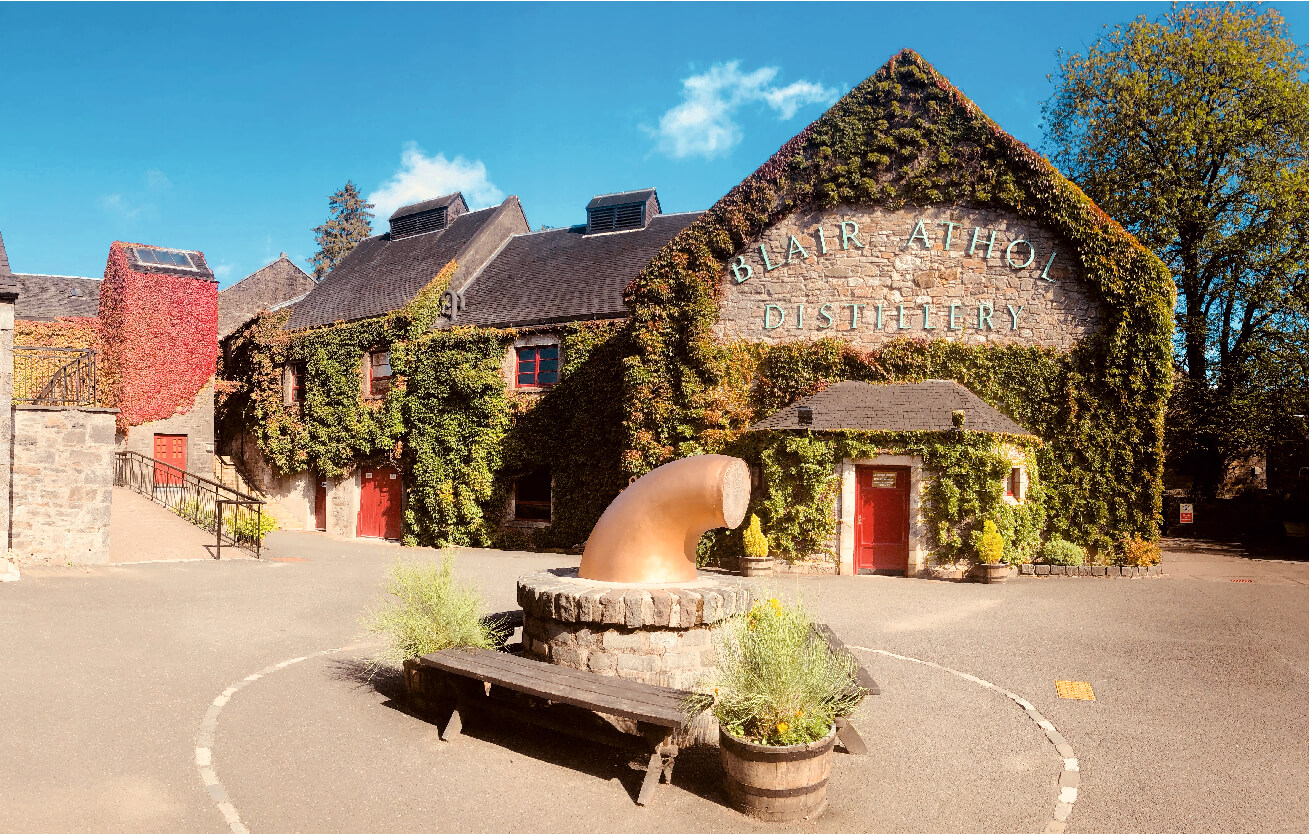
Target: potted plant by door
pixel 777 690
pixel 755 547
pixel 991 547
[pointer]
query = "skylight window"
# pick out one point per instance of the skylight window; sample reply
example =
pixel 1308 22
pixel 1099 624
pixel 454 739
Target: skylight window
pixel 164 257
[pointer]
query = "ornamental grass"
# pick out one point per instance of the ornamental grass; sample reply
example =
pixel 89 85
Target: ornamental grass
pixel 776 681
pixel 427 611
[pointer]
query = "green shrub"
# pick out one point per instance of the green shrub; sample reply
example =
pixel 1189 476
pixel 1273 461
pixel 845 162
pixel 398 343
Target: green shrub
pixel 1057 551
pixel 990 546
pixel 247 527
pixel 429 612
pixel 775 680
pixel 754 542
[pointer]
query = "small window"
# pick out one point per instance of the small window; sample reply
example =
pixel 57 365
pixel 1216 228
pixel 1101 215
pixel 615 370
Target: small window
pixel 164 257
pixel 379 373
pixel 537 366
pixel 532 496
pixel 296 385
pixel 1014 484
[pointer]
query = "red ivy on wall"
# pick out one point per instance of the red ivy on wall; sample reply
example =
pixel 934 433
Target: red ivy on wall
pixel 160 339
pixel 69 332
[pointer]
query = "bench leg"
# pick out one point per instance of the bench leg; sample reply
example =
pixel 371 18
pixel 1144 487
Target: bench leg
pixel 653 770
pixel 670 759
pixel 850 738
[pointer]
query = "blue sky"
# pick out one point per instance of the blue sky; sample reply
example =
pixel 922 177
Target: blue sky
pixel 224 128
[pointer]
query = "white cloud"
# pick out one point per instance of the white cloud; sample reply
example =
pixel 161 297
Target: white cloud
pixel 704 124
pixel 423 177
pixel 115 204
pixel 223 271
pixel 157 180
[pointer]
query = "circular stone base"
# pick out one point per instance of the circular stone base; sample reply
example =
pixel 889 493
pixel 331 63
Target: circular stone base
pixel 657 634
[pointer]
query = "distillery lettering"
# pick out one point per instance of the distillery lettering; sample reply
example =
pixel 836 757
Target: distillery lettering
pixel 1018 254
pixel 953 316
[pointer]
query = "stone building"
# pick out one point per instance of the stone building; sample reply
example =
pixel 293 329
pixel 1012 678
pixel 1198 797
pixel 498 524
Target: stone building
pixel 907 322
pixel 92 368
pixel 263 289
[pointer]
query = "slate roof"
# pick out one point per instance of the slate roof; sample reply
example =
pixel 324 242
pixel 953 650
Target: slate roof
pixel 380 274
pixel 262 289
pixel 7 286
pixel 428 205
pixel 48 297
pixel 903 406
pixel 622 198
pixel 564 274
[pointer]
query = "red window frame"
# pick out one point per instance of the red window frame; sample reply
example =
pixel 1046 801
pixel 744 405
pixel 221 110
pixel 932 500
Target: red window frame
pixel 297 373
pixel 536 366
pixel 1014 484
pixel 378 383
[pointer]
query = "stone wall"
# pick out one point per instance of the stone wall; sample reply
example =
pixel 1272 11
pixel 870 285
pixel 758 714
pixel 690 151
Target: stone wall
pixel 869 276
pixel 197 424
pixel 63 479
pixel 6 419
pixel 289 498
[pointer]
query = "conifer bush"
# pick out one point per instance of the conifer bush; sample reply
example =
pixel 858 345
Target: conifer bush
pixel 753 541
pixel 991 546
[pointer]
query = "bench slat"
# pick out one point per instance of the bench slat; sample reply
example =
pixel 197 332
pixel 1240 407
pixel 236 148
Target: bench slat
pixel 550 672
pixel 614 696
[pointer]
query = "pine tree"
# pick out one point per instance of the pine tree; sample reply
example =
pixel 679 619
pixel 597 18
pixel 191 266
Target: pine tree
pixel 348 224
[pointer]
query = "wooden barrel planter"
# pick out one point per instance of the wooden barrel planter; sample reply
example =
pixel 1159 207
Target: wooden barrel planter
pixel 777 784
pixel 756 566
pixel 990 573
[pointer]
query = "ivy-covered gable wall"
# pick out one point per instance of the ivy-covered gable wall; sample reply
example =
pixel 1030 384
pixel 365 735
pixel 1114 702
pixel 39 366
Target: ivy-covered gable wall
pixel 906 138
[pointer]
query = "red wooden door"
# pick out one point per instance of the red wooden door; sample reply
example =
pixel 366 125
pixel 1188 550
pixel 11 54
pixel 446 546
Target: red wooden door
pixel 320 502
pixel 882 518
pixel 379 502
pixel 171 449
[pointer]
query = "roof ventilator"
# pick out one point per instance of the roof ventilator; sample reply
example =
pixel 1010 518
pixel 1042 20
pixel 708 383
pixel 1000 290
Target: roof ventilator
pixel 805 415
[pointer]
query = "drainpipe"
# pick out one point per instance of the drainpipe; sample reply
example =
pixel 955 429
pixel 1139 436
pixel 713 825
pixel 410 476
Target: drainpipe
pixel 648 534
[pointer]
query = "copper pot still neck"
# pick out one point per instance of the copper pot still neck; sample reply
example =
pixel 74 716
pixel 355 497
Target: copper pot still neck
pixel 648 534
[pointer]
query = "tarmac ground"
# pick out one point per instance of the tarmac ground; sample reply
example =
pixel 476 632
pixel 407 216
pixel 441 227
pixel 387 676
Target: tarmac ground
pixel 233 695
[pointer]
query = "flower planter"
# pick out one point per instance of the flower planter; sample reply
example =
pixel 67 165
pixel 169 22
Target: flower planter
pixel 756 566
pixel 990 573
pixel 777 783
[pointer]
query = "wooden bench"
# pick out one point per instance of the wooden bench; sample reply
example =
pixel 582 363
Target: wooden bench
pixel 457 686
pixel 846 732
pixel 478 682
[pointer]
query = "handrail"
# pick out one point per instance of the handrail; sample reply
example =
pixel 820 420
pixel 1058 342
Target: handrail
pixel 55 376
pixel 235 518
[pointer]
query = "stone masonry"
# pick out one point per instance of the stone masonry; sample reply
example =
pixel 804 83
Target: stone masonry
pixel 1001 280
pixel 658 635
pixel 197 423
pixel 63 477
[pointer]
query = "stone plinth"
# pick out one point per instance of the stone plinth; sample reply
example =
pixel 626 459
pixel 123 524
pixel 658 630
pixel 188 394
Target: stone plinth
pixel 656 634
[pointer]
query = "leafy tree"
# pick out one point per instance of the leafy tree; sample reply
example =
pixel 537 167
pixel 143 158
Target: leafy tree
pixel 1191 131
pixel 348 224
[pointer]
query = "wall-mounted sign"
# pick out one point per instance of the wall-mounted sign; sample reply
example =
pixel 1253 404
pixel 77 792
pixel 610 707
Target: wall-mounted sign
pixel 1019 253
pixel 883 480
pixel 1184 513
pixel 871 275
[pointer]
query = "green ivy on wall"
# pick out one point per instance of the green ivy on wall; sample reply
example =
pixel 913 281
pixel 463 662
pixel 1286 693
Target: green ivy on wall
pixel 905 136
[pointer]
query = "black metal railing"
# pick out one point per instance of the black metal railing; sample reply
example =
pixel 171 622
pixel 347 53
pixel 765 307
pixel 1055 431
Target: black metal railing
pixel 55 376
pixel 235 519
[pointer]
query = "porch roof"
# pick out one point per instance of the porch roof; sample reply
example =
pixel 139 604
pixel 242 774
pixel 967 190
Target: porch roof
pixel 900 406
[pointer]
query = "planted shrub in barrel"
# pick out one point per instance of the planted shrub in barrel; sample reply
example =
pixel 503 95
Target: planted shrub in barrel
pixel 778 689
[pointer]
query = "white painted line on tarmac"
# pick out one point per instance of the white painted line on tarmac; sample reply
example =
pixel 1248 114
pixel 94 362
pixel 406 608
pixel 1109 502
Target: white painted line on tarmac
pixel 205 738
pixel 1068 796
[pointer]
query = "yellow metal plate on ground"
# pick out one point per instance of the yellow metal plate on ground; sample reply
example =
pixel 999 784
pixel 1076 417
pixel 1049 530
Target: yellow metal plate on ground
pixel 1076 690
